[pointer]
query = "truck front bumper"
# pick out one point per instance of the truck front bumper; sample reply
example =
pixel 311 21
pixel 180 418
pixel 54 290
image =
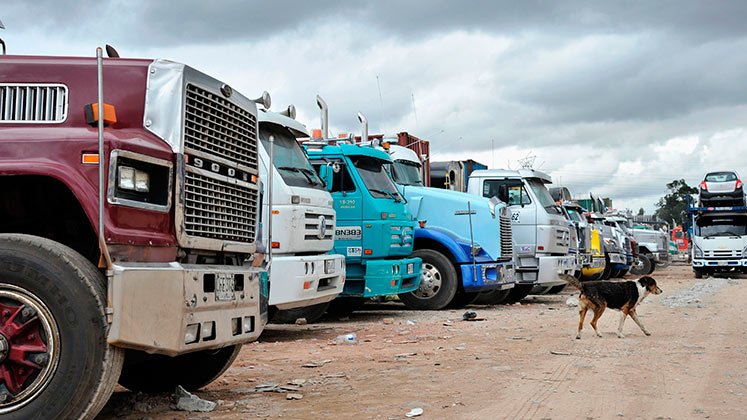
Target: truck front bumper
pixel 299 281
pixel 617 258
pixel 595 266
pixel 547 271
pixel 719 263
pixel 488 276
pixel 385 277
pixel 172 308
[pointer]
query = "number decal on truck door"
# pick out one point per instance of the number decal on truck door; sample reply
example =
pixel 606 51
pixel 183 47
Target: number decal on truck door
pixel 515 216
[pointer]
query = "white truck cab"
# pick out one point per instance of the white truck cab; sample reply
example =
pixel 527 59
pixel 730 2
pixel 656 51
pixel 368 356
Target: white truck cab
pixel 304 277
pixel 719 241
pixel 541 234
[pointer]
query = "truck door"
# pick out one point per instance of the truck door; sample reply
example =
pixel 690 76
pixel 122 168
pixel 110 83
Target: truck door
pixel 348 206
pixel 523 211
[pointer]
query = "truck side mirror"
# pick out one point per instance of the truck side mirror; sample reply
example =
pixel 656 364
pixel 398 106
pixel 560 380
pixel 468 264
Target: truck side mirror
pixel 325 173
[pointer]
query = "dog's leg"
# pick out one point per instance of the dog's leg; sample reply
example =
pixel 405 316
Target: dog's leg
pixel 623 315
pixel 581 318
pixel 598 311
pixel 637 321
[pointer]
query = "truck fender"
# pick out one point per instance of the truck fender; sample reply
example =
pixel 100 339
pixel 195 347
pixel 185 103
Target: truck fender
pixel 454 244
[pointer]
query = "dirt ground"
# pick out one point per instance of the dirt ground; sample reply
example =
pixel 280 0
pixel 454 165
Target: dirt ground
pixel 522 361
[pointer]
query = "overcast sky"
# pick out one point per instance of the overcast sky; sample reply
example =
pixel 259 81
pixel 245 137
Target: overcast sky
pixel 617 98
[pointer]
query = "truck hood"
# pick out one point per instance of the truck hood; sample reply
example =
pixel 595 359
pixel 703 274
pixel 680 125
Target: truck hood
pixel 720 243
pixel 653 240
pixel 439 206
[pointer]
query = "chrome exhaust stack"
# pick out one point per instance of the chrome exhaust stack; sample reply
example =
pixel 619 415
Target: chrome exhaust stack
pixel 324 115
pixel 364 127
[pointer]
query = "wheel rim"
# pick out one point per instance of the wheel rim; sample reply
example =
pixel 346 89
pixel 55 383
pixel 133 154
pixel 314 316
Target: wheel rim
pixel 430 282
pixel 29 347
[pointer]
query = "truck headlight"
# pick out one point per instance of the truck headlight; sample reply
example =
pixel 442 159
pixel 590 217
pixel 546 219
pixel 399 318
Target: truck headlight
pixel 133 179
pixel 698 253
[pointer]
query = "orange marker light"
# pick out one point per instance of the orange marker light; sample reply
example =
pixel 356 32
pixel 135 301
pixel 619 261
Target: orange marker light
pixel 306 285
pixel 254 179
pixel 316 133
pixel 368 251
pixel 92 114
pixel 276 212
pixel 275 245
pixel 394 283
pixel 90 158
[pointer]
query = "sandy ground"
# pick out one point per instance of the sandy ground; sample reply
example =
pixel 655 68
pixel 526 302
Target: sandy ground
pixel 522 361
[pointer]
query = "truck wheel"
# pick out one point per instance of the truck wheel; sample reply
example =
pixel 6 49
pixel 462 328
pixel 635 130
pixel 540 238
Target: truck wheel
pixel 143 372
pixel 519 292
pixel 642 266
pixel 663 265
pixel 607 268
pixel 54 359
pixel 312 313
pixel 438 282
pixel 492 297
pixel 698 273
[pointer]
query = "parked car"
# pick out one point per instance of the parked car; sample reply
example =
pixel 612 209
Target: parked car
pixel 721 188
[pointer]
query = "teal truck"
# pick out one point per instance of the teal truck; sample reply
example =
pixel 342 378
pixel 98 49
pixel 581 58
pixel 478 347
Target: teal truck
pixel 374 230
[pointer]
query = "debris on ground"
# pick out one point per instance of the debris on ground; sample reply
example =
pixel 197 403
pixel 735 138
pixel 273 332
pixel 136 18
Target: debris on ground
pixel 469 315
pixel 317 364
pixel 388 321
pixel 415 412
pixel 696 293
pixel 350 338
pixel 293 396
pixel 572 301
pixel 190 402
pixel 560 353
pixel 410 322
pixel 301 321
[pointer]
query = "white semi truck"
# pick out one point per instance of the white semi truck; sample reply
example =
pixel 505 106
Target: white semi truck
pixel 304 277
pixel 719 240
pixel 541 234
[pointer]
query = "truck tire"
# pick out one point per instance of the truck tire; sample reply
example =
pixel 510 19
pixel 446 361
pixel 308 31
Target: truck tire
pixel 519 292
pixel 143 372
pixel 607 273
pixel 642 266
pixel 493 297
pixel 438 282
pixel 311 313
pixel 698 273
pixel 60 298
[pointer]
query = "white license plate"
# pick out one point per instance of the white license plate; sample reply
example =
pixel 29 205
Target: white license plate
pixel 224 286
pixel 329 266
pixel 410 268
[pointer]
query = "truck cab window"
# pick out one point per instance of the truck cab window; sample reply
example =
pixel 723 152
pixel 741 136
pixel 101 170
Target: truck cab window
pixel 406 173
pixel 508 191
pixel 341 181
pixel 289 159
pixel 377 181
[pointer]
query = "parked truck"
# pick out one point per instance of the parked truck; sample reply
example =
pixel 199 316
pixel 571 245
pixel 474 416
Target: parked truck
pixel 463 240
pixel 653 249
pixel 719 240
pixel 541 234
pixel 128 220
pixel 590 242
pixel 374 230
pixel 453 175
pixel 305 277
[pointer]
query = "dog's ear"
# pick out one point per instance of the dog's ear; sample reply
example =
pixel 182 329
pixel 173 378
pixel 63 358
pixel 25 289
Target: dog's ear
pixel 647 281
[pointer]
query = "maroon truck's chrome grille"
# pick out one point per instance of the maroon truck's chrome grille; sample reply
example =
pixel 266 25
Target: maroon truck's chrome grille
pixel 217 209
pixel 214 125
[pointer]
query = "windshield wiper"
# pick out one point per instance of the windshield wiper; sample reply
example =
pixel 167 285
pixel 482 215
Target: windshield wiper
pixel 302 171
pixel 311 175
pixel 394 197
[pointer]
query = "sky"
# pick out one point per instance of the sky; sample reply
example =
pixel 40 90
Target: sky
pixel 610 97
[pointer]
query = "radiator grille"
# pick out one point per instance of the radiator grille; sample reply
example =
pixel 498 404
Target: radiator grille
pixel 35 103
pixel 722 254
pixel 507 248
pixel 219 127
pixel 401 236
pixel 219 210
pixel 311 223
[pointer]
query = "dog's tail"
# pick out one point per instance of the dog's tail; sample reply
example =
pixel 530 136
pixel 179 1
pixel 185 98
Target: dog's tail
pixel 573 281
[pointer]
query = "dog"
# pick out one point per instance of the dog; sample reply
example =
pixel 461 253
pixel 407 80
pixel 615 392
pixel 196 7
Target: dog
pixel 623 296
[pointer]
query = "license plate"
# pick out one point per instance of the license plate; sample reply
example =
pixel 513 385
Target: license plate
pixel 224 286
pixel 410 268
pixel 329 266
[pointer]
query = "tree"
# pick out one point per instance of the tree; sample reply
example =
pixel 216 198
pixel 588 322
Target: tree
pixel 671 206
pixel 641 212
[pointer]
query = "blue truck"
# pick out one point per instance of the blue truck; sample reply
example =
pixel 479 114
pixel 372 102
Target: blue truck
pixel 464 241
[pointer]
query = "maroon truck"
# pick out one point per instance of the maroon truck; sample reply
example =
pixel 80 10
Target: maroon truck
pixel 165 294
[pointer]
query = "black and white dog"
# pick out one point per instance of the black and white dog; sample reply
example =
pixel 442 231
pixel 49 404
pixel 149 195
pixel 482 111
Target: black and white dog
pixel 623 296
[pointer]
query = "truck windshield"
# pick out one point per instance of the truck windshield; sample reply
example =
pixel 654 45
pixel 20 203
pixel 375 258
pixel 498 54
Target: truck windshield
pixel 406 173
pixel 289 158
pixel 729 226
pixel 377 181
pixel 543 195
pixel 575 215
